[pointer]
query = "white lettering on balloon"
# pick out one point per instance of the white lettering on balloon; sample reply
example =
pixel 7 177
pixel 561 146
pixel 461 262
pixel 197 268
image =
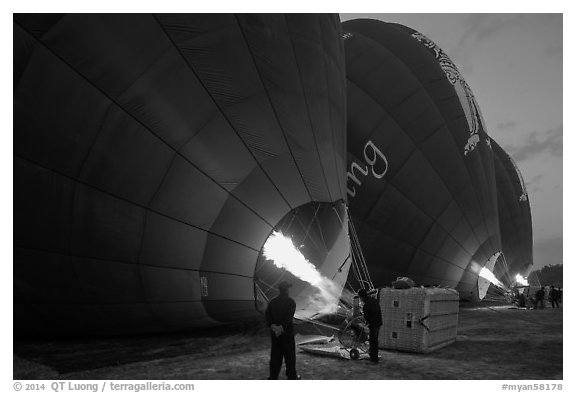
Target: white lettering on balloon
pixel 462 88
pixel 376 164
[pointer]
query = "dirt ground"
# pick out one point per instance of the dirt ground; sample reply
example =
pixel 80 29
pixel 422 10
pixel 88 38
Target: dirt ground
pixel 493 343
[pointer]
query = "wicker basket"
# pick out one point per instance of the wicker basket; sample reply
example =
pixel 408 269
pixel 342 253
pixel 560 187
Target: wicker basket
pixel 418 319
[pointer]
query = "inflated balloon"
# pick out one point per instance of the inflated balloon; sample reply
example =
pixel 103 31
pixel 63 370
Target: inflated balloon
pixel 155 154
pixel 515 218
pixel 421 183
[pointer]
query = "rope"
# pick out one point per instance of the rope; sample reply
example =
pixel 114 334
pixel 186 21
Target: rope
pixel 322 235
pixel 318 323
pixel 337 214
pixel 313 242
pixel 354 264
pixel 363 265
pixel 507 269
pixel 359 267
pixel 538 278
pixel 422 321
pixel 355 267
pixel 288 223
pixel 311 222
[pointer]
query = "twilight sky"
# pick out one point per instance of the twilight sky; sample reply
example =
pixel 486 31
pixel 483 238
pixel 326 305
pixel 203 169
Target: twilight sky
pixel 513 63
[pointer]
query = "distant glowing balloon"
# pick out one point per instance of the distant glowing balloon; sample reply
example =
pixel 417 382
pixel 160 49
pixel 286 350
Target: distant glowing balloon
pixel 515 218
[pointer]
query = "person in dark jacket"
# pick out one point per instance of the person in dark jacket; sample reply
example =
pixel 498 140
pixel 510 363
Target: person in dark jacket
pixel 373 317
pixel 553 296
pixel 540 298
pixel 279 315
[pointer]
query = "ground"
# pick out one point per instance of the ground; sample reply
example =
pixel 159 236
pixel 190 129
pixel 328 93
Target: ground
pixel 497 342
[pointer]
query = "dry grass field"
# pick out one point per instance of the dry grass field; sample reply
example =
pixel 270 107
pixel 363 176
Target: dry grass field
pixel 495 342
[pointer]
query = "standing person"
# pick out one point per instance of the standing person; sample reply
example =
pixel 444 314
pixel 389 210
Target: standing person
pixel 553 297
pixel 539 298
pixel 373 317
pixel 522 300
pixel 279 315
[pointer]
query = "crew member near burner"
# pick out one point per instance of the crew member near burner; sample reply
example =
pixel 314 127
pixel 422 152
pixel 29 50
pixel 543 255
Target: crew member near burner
pixel 373 317
pixel 279 315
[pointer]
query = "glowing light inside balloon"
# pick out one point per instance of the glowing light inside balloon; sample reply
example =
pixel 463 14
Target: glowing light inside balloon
pixel 281 251
pixel 488 275
pixel 521 280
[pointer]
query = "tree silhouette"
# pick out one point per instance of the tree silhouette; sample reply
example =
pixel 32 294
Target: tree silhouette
pixel 548 275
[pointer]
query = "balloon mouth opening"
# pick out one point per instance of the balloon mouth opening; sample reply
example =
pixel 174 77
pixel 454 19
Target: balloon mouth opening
pixel 487 280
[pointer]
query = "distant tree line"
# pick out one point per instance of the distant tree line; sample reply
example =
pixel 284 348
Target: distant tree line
pixel 548 275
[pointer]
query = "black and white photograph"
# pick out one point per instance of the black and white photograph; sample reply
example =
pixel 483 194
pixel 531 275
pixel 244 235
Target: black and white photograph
pixel 287 195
